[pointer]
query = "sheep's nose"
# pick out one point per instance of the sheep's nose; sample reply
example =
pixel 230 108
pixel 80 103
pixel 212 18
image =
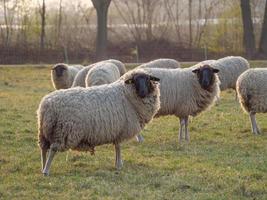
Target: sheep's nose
pixel 142 93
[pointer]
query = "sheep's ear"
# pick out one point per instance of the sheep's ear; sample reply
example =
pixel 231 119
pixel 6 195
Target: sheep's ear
pixel 153 78
pixel 215 70
pixel 129 81
pixel 195 71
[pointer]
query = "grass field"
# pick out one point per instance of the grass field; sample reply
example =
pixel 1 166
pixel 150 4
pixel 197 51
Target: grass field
pixel 222 161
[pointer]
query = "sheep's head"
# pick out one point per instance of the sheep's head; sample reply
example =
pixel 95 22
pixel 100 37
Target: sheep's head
pixel 59 69
pixel 143 83
pixel 206 76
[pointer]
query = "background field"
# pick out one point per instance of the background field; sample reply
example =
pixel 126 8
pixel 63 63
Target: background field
pixel 222 161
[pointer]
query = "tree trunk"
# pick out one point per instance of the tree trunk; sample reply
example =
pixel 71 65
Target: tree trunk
pixel 190 23
pixel 248 33
pixel 6 24
pixel 101 7
pixel 42 37
pixel 59 23
pixel 263 39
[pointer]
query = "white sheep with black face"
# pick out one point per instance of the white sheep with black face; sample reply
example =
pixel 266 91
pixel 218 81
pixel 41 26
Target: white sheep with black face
pixel 62 75
pixel 186 92
pixel 82 118
pixel 251 89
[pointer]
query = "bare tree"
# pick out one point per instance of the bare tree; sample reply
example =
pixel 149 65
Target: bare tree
pixel 190 23
pixel 174 11
pixel 249 38
pixel 263 39
pixel 43 18
pixel 141 19
pixel 9 14
pixel 101 7
pixel 59 22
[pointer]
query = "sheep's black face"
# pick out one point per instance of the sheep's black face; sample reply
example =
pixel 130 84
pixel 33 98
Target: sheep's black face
pixel 59 69
pixel 142 83
pixel 206 76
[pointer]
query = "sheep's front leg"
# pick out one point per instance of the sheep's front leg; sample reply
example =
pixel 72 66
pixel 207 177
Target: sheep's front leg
pixel 118 162
pixel 254 126
pixel 182 123
pixel 187 136
pixel 51 154
pixel 43 157
pixel 139 138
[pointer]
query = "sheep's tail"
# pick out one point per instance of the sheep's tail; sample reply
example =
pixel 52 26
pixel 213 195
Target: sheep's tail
pixel 244 98
pixel 46 124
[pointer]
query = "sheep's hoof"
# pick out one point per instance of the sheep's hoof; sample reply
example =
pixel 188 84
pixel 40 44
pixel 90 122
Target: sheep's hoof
pixel 45 173
pixel 140 138
pixel 256 132
pixel 119 165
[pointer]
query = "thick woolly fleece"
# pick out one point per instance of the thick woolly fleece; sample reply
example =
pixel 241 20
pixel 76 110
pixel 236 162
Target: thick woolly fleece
pixel 65 81
pixel 79 79
pixel 161 63
pixel 82 118
pixel 251 89
pixel 181 93
pixel 230 69
pixel 104 74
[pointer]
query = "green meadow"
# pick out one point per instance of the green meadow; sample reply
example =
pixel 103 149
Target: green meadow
pixel 223 160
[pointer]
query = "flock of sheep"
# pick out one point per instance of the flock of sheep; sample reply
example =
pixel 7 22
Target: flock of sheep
pixel 104 104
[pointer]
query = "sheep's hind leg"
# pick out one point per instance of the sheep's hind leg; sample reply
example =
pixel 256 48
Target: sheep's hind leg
pixel 51 154
pixel 182 123
pixel 254 126
pixel 139 138
pixel 118 163
pixel 187 136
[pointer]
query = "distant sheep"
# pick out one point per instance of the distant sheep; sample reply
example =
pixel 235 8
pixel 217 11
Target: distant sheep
pixel 185 92
pixel 104 74
pixel 162 63
pixel 82 118
pixel 62 75
pixel 251 89
pixel 79 79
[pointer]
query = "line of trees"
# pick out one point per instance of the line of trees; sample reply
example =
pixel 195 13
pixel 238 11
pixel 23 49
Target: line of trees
pixel 182 29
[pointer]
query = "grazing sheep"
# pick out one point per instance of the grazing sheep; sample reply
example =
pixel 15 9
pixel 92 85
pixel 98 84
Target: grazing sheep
pixel 230 69
pixel 82 118
pixel 104 74
pixel 79 79
pixel 63 75
pixel 162 63
pixel 186 92
pixel 251 89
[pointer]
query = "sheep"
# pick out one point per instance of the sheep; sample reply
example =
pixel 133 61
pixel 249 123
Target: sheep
pixel 186 92
pixel 158 63
pixel 204 62
pixel 251 89
pixel 82 118
pixel 79 79
pixel 162 63
pixel 63 75
pixel 230 69
pixel 104 74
